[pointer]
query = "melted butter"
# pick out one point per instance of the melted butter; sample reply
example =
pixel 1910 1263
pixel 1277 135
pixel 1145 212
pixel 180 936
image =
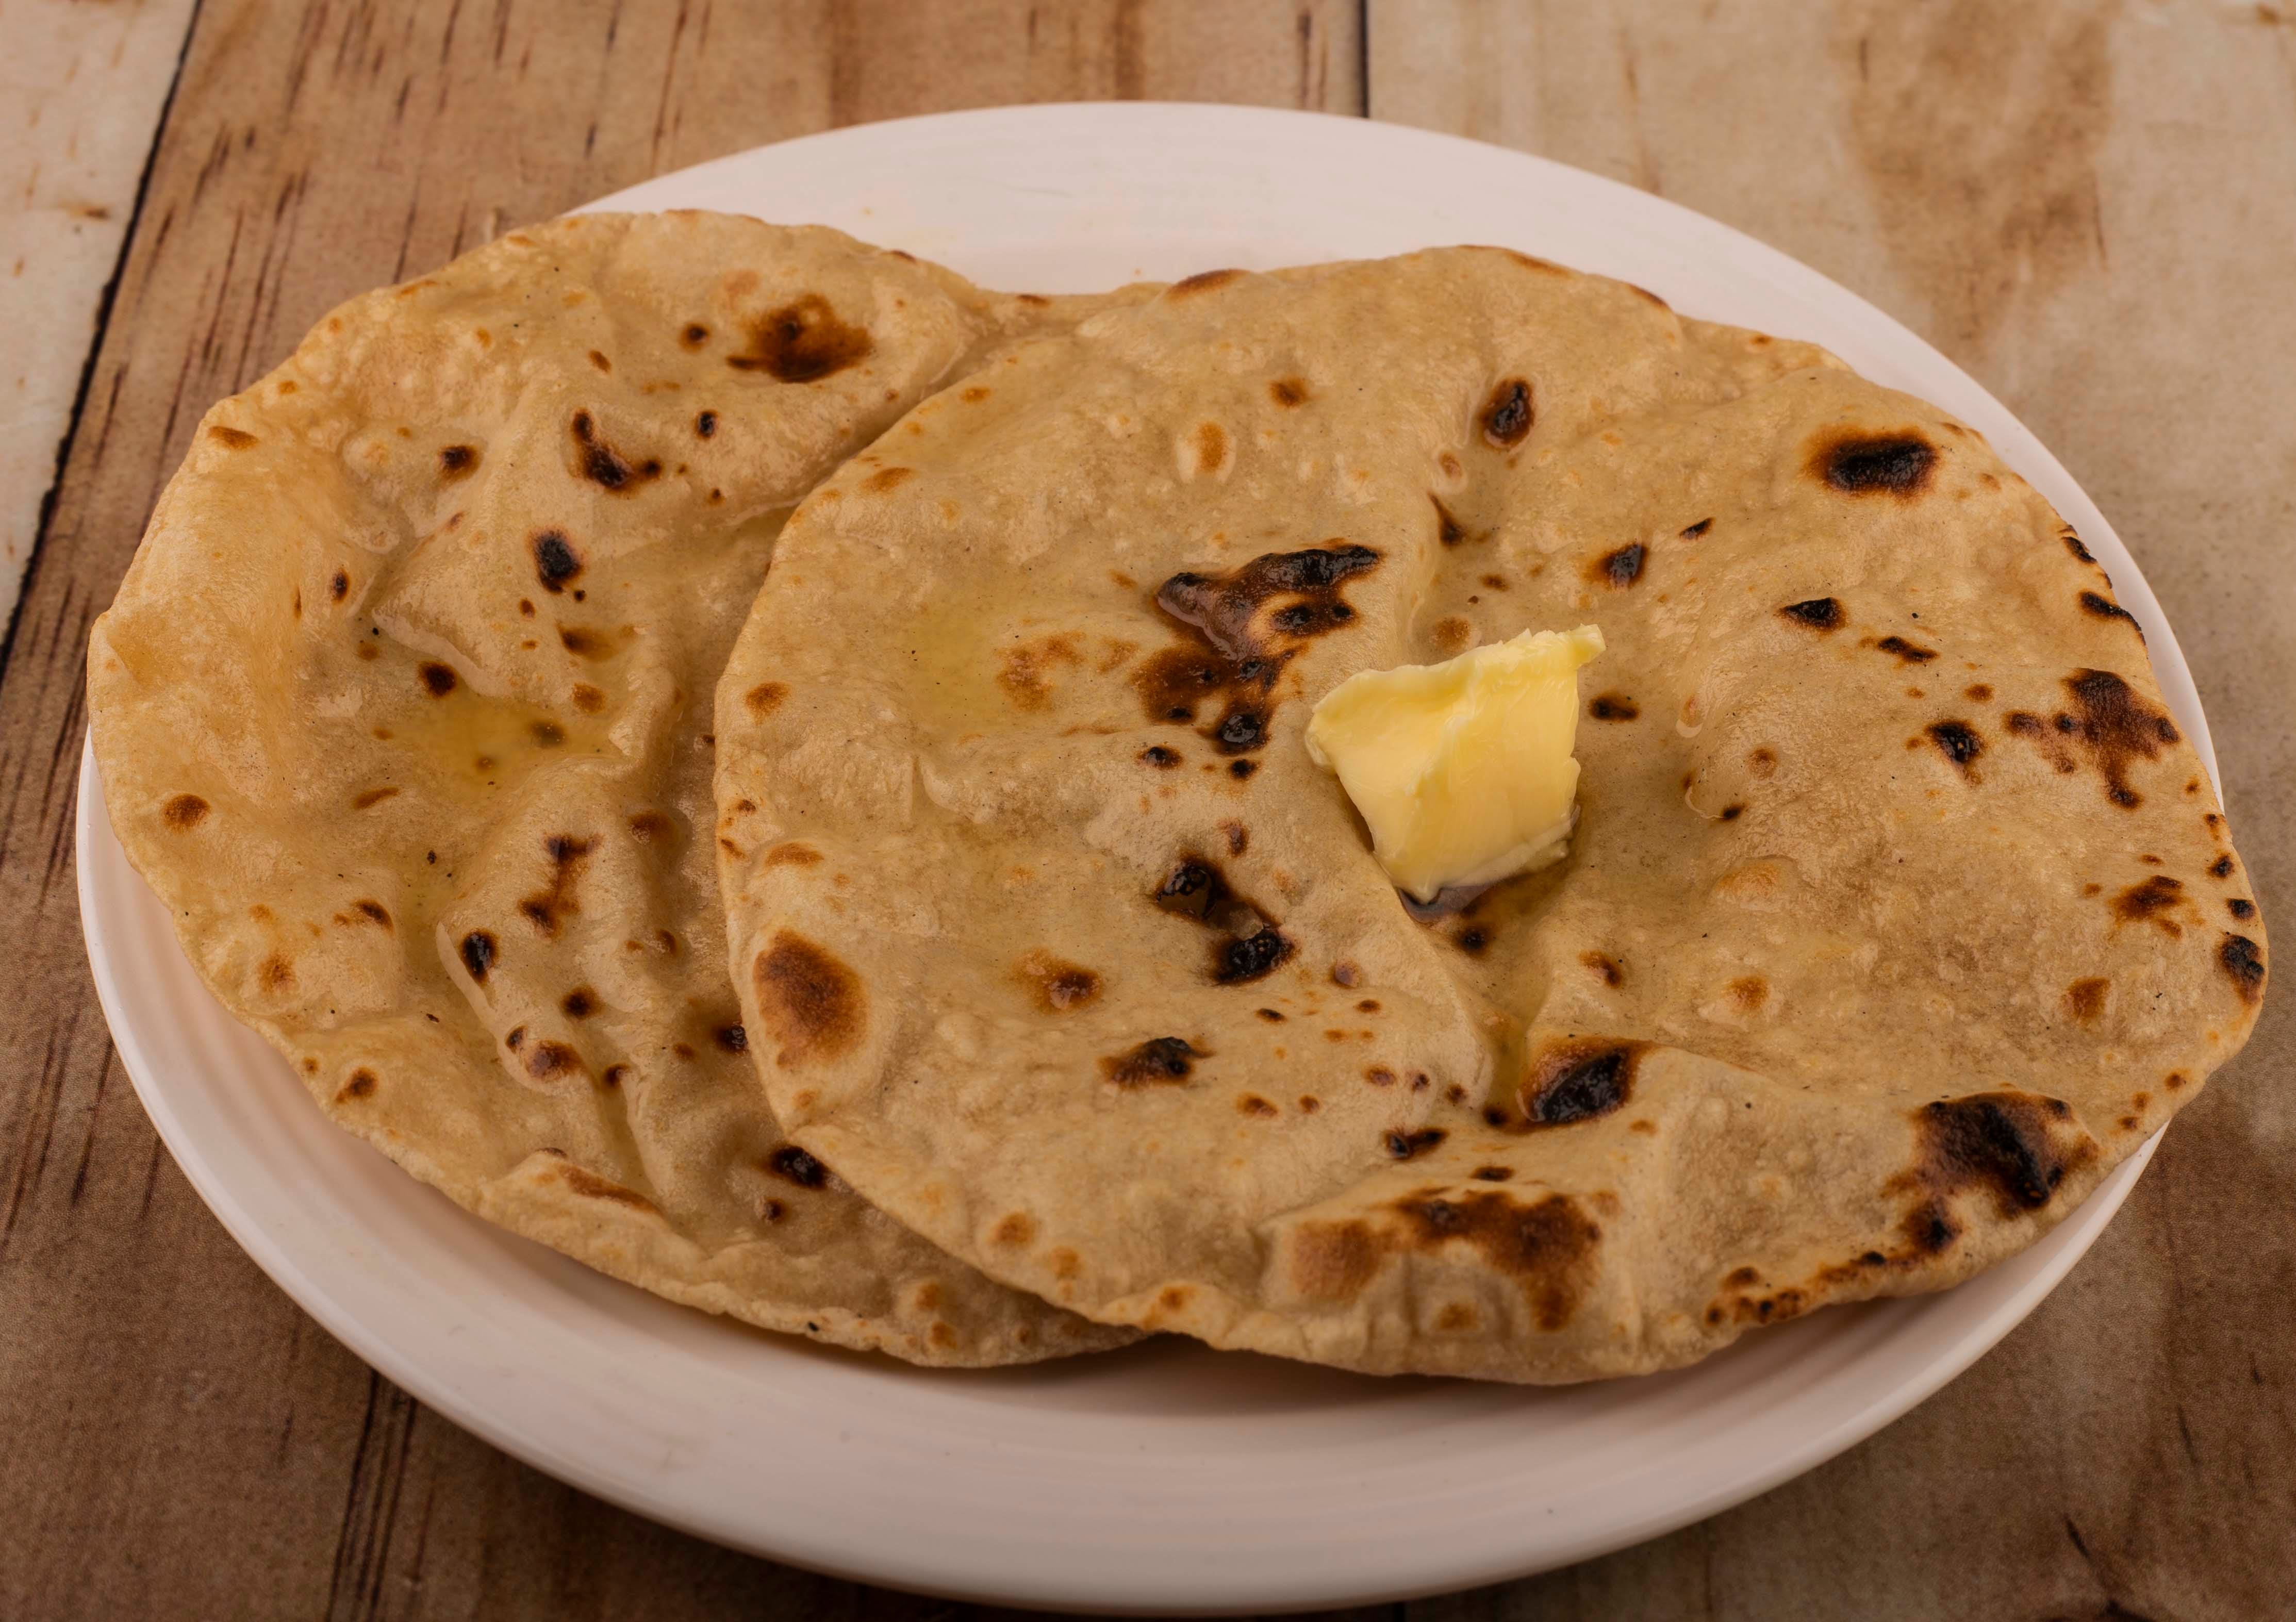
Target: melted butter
pixel 421 745
pixel 975 670
pixel 468 744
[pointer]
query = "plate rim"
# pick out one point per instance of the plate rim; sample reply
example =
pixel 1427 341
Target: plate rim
pixel 316 1297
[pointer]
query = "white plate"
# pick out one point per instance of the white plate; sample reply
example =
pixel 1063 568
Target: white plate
pixel 1166 1478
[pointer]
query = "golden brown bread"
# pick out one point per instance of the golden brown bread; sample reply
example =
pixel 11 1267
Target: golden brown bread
pixel 404 710
pixel 1899 911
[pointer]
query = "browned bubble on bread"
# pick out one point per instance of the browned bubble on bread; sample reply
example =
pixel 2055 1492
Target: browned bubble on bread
pixel 2014 1148
pixel 2106 725
pixel 1818 613
pixel 1508 414
pixel 1241 628
pixel 1546 1247
pixel 1055 984
pixel 1860 464
pixel 1158 1061
pixel 813 1004
pixel 802 341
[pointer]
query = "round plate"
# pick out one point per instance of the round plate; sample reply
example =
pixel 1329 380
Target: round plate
pixel 1167 1477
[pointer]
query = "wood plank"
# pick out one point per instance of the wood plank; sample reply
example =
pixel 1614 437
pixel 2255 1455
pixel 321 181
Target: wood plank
pixel 239 1461
pixel 183 1441
pixel 82 88
pixel 2087 207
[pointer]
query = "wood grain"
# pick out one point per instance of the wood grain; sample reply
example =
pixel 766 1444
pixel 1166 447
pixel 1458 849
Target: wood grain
pixel 2088 206
pixel 81 90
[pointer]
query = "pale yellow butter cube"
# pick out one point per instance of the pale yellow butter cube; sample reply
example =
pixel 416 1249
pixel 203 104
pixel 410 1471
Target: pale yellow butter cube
pixel 1462 771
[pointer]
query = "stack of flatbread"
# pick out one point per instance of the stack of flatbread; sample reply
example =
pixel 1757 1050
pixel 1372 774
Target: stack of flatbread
pixel 778 774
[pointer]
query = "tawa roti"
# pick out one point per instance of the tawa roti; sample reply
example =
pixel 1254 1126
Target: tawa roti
pixel 404 708
pixel 1898 911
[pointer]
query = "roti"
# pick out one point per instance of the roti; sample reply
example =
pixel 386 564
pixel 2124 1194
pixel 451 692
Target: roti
pixel 404 711
pixel 1898 911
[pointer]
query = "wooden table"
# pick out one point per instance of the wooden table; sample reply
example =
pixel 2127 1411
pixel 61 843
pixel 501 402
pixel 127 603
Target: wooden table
pixel 2090 206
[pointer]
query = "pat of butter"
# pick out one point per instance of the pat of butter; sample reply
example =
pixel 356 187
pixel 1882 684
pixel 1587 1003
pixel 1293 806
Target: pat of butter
pixel 1463 770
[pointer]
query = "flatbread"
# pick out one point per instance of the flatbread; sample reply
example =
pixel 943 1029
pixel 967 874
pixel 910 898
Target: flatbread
pixel 1898 913
pixel 402 711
